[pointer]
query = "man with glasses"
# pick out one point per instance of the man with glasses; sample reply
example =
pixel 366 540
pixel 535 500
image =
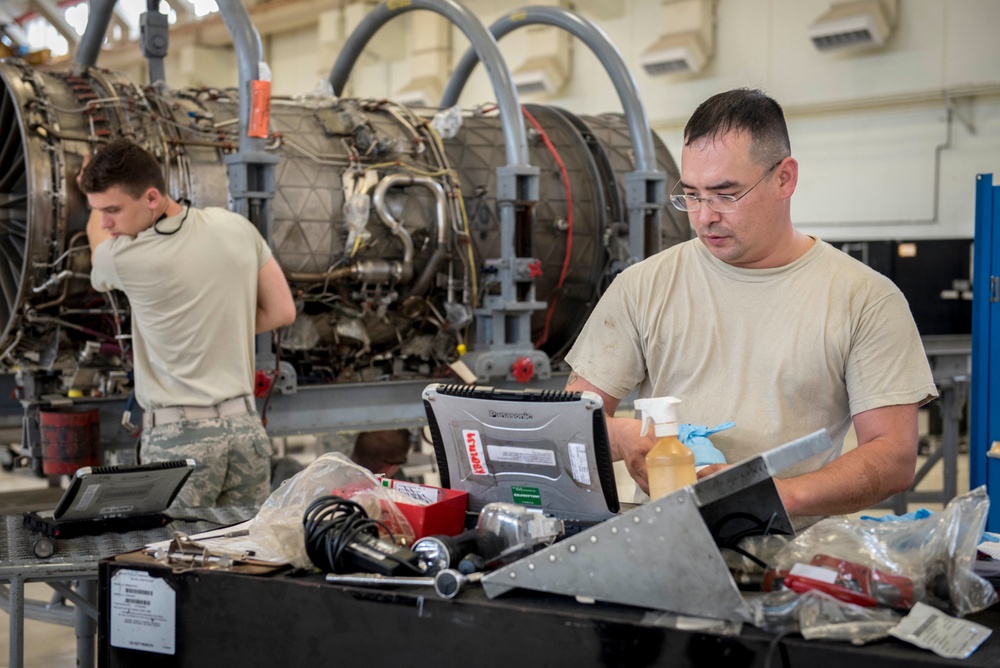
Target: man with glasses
pixel 757 322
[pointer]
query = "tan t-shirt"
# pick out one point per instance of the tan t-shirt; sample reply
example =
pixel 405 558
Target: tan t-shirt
pixel 782 352
pixel 193 297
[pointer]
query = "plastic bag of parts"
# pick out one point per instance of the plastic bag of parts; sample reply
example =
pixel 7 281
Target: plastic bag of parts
pixel 894 564
pixel 820 616
pixel 278 525
pixel 448 122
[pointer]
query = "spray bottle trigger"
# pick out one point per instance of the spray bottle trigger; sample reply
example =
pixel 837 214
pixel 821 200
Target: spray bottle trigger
pixel 646 421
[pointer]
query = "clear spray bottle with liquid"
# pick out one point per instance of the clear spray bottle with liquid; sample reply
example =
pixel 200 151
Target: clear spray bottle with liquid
pixel 670 464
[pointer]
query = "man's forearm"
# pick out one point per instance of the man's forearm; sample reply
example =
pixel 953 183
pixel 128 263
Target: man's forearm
pixel 857 480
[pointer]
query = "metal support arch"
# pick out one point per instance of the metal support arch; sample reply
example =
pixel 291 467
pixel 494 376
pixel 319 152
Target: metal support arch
pixel 93 35
pixel 483 44
pixel 504 322
pixel 646 186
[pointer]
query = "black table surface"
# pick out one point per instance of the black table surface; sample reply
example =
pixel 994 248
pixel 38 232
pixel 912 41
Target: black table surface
pixel 226 618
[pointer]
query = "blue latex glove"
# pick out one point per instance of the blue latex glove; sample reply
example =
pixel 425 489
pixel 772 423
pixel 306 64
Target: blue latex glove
pixel 696 438
pixel 921 514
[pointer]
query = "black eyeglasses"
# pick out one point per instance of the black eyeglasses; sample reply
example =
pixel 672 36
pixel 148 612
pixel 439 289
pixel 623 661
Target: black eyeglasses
pixel 720 203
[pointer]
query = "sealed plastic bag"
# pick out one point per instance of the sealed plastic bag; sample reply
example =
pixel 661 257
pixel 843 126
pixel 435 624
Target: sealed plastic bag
pixel 896 564
pixel 278 525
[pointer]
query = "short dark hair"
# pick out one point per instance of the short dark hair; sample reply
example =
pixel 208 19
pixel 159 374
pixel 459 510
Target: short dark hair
pixel 743 110
pixel 379 450
pixel 124 164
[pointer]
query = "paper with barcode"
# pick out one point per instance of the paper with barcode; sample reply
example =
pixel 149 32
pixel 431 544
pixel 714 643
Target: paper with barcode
pixel 944 635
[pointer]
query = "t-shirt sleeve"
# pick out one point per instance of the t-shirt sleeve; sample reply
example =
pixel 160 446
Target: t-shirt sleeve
pixel 887 365
pixel 609 352
pixel 264 253
pixel 103 274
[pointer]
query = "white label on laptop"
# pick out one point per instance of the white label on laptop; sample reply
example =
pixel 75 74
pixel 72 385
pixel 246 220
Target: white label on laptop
pixel 143 613
pixel 115 510
pixel 88 496
pixel 579 466
pixel 515 455
pixel 474 449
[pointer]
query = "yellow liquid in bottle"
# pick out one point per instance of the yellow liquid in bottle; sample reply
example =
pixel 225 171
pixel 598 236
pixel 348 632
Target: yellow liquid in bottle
pixel 669 466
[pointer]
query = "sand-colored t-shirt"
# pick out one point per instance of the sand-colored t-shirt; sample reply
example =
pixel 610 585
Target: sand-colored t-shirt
pixel 782 352
pixel 193 297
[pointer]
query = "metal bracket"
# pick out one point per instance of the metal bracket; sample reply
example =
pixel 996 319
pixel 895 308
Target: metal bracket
pixel 663 555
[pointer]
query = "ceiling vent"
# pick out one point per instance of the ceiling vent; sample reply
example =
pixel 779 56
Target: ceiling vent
pixel 548 66
pixel 854 24
pixel 428 59
pixel 688 43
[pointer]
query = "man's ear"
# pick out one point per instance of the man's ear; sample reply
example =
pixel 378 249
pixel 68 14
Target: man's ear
pixel 788 177
pixel 152 198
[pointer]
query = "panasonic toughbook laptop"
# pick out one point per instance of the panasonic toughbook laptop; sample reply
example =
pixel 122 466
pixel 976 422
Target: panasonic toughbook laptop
pixel 113 498
pixel 540 448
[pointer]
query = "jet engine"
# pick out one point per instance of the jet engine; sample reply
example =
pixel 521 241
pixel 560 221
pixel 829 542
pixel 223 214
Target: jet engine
pixel 384 230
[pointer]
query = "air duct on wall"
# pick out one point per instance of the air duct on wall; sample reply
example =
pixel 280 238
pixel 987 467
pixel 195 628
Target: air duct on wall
pixel 689 42
pixel 854 24
pixel 428 59
pixel 548 66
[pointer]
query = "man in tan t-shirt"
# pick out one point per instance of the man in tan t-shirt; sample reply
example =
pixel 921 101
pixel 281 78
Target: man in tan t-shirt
pixel 756 322
pixel 200 284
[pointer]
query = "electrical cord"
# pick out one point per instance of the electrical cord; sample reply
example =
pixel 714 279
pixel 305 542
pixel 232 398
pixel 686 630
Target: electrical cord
pixel 758 528
pixel 331 524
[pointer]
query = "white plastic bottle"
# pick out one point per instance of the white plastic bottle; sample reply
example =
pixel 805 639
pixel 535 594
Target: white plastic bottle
pixel 670 464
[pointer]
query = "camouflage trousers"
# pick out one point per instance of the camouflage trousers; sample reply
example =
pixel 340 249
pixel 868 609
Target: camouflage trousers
pixel 233 455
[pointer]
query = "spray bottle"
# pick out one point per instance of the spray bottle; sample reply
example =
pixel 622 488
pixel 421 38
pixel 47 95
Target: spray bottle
pixel 670 464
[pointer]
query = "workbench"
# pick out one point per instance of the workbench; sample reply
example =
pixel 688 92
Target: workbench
pixel 76 561
pixel 229 619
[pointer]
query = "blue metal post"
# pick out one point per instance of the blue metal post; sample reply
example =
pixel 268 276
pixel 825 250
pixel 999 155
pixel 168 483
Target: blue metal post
pixel 984 430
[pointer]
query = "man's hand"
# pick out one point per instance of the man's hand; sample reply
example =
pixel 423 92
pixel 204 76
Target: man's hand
pixel 79 174
pixel 632 448
pixel 710 469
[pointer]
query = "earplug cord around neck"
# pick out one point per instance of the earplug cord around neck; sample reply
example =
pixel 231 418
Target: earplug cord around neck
pixel 163 216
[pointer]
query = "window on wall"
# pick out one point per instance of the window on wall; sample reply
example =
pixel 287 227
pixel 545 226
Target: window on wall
pixel 42 35
pixel 204 7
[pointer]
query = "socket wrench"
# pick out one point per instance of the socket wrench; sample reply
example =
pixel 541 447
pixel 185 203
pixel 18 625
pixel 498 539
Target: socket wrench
pixel 447 583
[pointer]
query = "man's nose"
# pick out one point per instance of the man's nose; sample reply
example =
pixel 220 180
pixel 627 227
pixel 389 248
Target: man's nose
pixel 107 221
pixel 704 214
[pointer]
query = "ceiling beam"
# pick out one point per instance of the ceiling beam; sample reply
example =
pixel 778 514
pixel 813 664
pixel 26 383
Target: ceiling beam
pixel 51 12
pixel 12 29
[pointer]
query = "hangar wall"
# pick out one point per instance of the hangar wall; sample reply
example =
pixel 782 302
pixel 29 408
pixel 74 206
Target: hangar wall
pixel 889 140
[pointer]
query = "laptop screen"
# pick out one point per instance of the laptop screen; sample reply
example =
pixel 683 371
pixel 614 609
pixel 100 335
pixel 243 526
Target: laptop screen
pixel 99 492
pixel 540 448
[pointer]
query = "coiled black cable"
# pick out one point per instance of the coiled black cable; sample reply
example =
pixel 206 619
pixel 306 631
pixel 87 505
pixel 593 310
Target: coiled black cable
pixel 330 524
